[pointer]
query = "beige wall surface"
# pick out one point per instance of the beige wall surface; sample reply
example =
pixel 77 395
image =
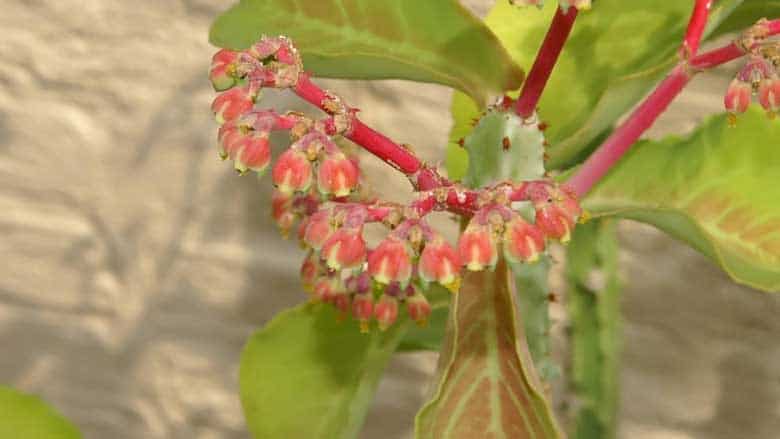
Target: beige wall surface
pixel 134 264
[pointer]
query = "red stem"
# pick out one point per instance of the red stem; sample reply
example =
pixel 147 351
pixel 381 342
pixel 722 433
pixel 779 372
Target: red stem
pixel 621 140
pixel 374 142
pixel 546 58
pixel 696 25
pixel 601 161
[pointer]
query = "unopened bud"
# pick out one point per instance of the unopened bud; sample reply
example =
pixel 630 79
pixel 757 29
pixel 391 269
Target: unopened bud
pixel 337 175
pixel 282 212
pixel 477 248
pixel 390 262
pixel 554 222
pixel 292 172
pixel 737 97
pixel 318 229
pixel 363 310
pixel 418 308
pixel 345 249
pixel 522 241
pixel 233 103
pixel 386 311
pixel 222 72
pixel 769 95
pixel 440 262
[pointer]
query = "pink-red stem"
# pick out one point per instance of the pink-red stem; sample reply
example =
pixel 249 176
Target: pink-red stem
pixel 551 48
pixel 621 140
pixel 696 25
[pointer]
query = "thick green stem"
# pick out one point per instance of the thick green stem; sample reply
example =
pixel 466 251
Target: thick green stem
pixel 594 308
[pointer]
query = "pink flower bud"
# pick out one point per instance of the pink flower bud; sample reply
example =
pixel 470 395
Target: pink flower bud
pixel 390 262
pixel 342 303
pixel 292 172
pixel 337 175
pixel 325 290
pixel 254 153
pixel 363 310
pixel 359 284
pixel 769 95
pixel 310 269
pixel 440 262
pixel 477 248
pixel 222 72
pixel 233 103
pixel 318 229
pixel 554 222
pixel 737 97
pixel 522 241
pixel 281 211
pixel 418 308
pixel 345 249
pixel 229 140
pixel 386 311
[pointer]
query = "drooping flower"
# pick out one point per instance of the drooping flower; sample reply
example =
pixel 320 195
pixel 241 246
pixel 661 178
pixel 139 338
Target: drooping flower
pixel 231 104
pixel 440 262
pixel 292 172
pixel 418 308
pixel 390 262
pixel 477 248
pixel 222 71
pixel 386 311
pixel 522 241
pixel 337 175
pixel 345 249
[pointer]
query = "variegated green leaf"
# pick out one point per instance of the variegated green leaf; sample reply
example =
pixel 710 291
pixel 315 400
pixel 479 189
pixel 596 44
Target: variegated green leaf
pixel 715 189
pixel 429 41
pixel 486 387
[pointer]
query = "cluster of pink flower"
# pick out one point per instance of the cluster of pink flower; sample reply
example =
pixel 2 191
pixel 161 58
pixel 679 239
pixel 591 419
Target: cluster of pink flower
pixel 760 75
pixel 316 186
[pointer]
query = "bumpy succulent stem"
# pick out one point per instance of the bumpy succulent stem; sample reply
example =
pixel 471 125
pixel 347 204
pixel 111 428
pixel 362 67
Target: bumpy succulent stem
pixel 556 37
pixel 621 140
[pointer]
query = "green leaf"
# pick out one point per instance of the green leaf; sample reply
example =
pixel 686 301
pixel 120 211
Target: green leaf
pixel 429 41
pixel 307 374
pixel 747 14
pixel 486 383
pixel 716 190
pixel 27 417
pixel 593 301
pixel 428 337
pixel 614 56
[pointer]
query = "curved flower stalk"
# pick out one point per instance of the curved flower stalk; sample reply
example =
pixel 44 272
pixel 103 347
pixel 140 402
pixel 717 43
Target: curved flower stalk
pixel 317 186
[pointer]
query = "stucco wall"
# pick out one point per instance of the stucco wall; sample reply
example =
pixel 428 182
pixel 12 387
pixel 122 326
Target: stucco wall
pixel 134 264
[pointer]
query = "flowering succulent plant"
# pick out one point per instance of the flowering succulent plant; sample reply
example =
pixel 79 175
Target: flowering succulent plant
pixel 517 186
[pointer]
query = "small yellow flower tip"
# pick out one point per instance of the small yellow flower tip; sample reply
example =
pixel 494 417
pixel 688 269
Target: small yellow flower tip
pixel 422 323
pixel 771 115
pixel 584 217
pixel 454 286
pixel 731 118
pixel 364 327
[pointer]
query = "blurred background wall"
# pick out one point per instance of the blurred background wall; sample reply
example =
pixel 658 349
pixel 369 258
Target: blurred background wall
pixel 134 264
